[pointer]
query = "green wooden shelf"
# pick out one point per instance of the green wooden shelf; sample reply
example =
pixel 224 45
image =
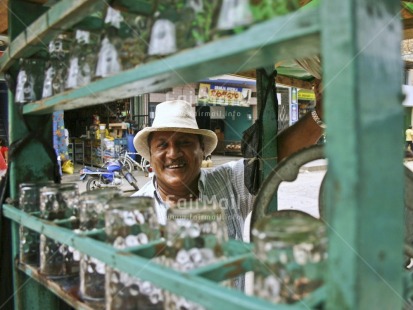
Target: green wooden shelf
pixel 36 36
pixel 292 36
pixel 359 41
pixel 66 288
pixel 198 285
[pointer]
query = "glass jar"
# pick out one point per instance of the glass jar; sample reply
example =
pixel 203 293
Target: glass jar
pixel 58 202
pixel 29 202
pixel 92 206
pixel 291 250
pixel 29 80
pixel 195 233
pixel 129 222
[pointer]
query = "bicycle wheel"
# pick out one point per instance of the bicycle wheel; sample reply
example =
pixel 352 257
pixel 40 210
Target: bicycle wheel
pixel 145 165
pixel 128 165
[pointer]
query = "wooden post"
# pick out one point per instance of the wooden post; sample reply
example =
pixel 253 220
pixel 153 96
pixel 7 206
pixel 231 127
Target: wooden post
pixel 362 71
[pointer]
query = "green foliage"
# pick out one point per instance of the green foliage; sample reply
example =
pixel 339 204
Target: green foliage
pixel 266 9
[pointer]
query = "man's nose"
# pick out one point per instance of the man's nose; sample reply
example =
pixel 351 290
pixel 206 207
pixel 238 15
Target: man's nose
pixel 174 151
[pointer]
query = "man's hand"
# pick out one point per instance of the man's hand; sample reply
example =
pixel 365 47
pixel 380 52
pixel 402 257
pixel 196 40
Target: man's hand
pixel 303 133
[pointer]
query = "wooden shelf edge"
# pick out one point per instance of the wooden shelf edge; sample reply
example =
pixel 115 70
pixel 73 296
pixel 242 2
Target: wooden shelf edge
pixel 208 292
pixel 65 288
pixel 58 18
pixel 230 55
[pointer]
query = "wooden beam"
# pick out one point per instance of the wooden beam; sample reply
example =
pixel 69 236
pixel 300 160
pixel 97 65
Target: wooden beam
pixel 294 82
pixel 304 2
pixel 407 17
pixel 3 17
pixel 281 79
pixel 407 24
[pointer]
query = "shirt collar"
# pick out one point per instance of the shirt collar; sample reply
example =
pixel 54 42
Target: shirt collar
pixel 201 182
pixel 201 187
pixel 158 197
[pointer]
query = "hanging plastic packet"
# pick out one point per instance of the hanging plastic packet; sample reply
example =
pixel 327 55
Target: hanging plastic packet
pixel 108 58
pixel 55 75
pixel 82 60
pixel 233 14
pixel 29 82
pixel 182 24
pixel 163 38
pixel 135 33
pixel 124 42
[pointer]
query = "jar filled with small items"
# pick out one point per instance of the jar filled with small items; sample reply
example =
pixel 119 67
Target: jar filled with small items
pixel 291 251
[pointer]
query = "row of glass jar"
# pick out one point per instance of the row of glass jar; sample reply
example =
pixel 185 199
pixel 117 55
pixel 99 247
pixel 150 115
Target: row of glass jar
pixel 290 250
pixel 128 222
pixel 128 40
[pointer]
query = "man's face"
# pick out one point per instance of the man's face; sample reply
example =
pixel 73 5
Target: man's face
pixel 176 159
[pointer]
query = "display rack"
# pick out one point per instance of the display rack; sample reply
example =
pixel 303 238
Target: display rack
pixel 359 41
pixel 92 152
pixel 78 150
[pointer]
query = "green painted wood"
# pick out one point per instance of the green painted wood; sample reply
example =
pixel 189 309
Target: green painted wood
pixel 193 287
pixel 32 164
pixel 28 293
pixel 19 18
pixel 144 7
pixel 362 73
pixel 233 54
pixel 39 33
pixel 362 76
pixel 270 119
pixel 64 288
pixel 230 268
pixel 93 22
pixel 10 277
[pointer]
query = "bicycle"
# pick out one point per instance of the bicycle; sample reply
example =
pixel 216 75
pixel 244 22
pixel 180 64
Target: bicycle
pixel 129 163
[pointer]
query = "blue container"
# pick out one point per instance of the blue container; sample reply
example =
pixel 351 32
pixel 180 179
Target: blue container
pixel 131 147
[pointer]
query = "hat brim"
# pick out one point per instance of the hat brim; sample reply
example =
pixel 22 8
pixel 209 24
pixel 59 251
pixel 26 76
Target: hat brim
pixel 140 141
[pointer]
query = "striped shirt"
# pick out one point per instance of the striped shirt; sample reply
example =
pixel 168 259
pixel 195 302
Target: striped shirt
pixel 223 185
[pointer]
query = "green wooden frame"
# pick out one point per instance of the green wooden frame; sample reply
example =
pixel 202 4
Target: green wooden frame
pixel 362 70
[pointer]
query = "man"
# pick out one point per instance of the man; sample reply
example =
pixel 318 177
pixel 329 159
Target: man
pixel 175 147
pixel 409 138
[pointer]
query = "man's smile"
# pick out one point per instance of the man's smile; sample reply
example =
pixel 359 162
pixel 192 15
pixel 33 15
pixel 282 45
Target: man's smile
pixel 176 165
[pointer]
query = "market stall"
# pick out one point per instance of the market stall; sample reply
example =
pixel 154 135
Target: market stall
pixel 360 46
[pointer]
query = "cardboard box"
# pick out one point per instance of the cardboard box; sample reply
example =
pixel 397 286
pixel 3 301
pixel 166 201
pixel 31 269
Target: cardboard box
pixel 118 129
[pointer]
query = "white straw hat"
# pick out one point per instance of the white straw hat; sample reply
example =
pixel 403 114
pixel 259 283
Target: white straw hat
pixel 175 115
